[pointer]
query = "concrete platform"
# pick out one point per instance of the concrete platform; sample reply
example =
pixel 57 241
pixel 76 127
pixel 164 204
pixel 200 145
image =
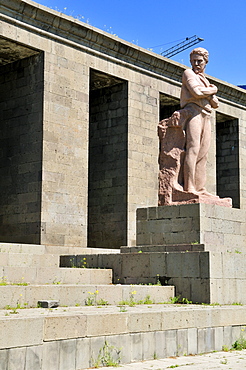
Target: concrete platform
pixel 73 294
pixel 235 360
pixel 71 338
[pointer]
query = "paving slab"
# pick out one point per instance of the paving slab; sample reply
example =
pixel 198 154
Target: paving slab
pixel 234 360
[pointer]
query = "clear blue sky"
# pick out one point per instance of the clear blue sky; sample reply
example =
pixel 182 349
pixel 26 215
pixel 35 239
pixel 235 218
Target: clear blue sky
pixel 150 23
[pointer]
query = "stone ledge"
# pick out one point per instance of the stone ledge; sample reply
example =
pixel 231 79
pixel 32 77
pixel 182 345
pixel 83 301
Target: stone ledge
pixel 164 248
pixel 72 295
pixel 74 322
pixel 55 275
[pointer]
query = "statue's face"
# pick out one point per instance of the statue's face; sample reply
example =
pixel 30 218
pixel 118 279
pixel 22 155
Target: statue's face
pixel 198 63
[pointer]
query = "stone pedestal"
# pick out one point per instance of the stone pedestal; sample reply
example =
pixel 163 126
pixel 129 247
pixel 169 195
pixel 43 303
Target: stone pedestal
pixel 219 228
pixel 213 268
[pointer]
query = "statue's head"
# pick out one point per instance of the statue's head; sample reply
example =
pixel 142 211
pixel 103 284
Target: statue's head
pixel 199 59
pixel 200 51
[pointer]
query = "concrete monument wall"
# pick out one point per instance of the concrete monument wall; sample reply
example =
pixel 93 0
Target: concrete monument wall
pixel 79 61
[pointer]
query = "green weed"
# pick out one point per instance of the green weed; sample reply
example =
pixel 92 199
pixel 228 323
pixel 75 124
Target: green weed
pixel 179 300
pixel 239 344
pixel 123 309
pixel 4 282
pixel 56 282
pixel 224 362
pixel 15 308
pixel 102 302
pixel 147 300
pixel 158 282
pixel 83 263
pixel 211 304
pixel 108 356
pixel 132 302
pixel 225 349
pixel 92 299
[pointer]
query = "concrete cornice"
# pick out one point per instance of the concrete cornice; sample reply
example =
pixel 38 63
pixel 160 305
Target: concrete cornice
pixel 70 30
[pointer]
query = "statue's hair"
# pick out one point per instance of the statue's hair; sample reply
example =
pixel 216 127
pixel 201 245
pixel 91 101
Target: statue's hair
pixel 200 51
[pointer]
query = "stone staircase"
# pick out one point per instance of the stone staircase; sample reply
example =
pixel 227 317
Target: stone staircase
pixel 198 275
pixel 99 307
pixel 20 268
pixel 32 273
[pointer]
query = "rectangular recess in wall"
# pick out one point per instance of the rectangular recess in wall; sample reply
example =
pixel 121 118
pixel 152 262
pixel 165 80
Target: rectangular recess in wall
pixel 107 178
pixel 21 136
pixel 227 158
pixel 168 105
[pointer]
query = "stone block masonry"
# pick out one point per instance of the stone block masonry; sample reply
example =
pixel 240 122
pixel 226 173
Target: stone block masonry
pixel 219 228
pixel 199 276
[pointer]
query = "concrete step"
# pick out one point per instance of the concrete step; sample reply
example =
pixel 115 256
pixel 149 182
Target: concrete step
pixel 73 337
pixel 195 247
pixel 55 275
pixel 28 260
pixel 128 268
pixel 21 248
pixel 33 260
pixel 72 295
pixel 51 249
pixel 201 277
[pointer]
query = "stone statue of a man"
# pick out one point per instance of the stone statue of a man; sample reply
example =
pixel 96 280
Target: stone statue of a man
pixel 185 140
pixel 198 96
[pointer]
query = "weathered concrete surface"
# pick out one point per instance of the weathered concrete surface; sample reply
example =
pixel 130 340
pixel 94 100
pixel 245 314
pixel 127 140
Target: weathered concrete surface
pixel 139 333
